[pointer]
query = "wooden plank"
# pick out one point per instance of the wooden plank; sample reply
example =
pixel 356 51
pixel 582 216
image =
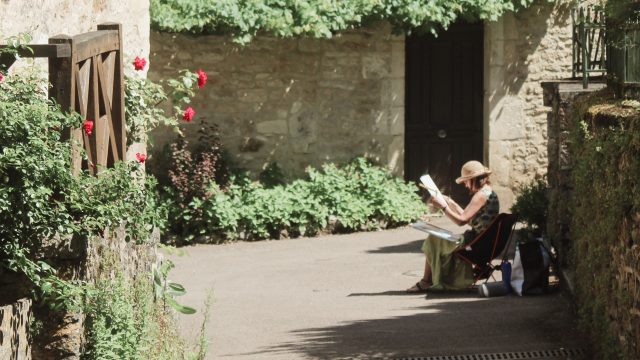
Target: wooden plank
pixel 90 44
pixel 83 75
pixel 108 65
pixel 117 101
pixel 44 50
pixel 97 143
pixel 63 90
pixel 102 80
pixel 61 76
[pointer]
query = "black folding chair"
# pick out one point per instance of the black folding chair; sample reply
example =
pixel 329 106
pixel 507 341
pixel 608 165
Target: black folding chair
pixel 487 246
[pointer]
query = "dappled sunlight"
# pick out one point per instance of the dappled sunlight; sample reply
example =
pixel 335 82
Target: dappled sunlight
pixel 468 322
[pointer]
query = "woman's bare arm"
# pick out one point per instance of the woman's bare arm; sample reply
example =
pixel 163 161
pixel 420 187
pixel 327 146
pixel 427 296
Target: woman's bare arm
pixel 457 208
pixel 477 201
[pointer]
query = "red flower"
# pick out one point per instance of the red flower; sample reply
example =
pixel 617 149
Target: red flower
pixel 139 63
pixel 189 113
pixel 141 157
pixel 88 126
pixel 202 78
pixel 2 78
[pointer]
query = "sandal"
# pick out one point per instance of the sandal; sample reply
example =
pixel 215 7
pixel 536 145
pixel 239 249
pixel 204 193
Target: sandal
pixel 418 287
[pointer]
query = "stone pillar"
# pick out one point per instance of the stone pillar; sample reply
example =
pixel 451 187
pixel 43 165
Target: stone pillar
pixel 559 95
pixel 521 49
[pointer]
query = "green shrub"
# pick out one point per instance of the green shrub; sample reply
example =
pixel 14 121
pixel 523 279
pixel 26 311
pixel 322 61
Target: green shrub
pixel 356 196
pixel 124 321
pixel 320 19
pixel 40 198
pixel 532 204
pixel 605 201
pixel 272 175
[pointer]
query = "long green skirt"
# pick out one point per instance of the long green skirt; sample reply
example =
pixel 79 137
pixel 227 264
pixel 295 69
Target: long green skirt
pixel 448 272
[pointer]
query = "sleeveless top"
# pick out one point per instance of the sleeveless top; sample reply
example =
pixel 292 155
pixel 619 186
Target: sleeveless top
pixel 487 213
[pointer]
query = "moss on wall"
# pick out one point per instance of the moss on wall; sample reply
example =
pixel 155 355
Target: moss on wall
pixel 605 222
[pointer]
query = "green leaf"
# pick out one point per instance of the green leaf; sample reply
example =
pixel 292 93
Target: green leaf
pixel 179 307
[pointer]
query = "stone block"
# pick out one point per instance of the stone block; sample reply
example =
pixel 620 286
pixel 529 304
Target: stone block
pixel 396 120
pixel 380 125
pixel 308 45
pixel 506 120
pixel 272 127
pixel 252 95
pixel 14 330
pixel 395 156
pixel 398 59
pixel 375 66
pixel 392 93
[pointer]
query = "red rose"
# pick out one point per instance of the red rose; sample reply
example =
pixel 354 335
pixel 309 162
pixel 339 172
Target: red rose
pixel 2 78
pixel 141 157
pixel 139 63
pixel 88 126
pixel 189 113
pixel 202 78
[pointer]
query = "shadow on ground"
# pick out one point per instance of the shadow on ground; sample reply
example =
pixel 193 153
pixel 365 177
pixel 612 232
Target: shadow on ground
pixel 410 247
pixel 472 325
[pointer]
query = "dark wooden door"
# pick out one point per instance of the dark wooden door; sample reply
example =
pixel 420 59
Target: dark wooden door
pixel 443 119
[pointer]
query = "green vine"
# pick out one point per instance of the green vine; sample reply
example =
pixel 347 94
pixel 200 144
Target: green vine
pixel 143 100
pixel 605 146
pixel 320 19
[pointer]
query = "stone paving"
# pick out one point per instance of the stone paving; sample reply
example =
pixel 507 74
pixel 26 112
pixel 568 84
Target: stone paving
pixel 341 297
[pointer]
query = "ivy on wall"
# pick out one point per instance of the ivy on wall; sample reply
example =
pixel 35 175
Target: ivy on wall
pixel 605 221
pixel 317 18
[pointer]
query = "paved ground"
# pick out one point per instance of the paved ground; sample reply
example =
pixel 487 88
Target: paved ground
pixel 342 297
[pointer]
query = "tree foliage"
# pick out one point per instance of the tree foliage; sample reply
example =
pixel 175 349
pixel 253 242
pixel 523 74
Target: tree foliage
pixel 317 18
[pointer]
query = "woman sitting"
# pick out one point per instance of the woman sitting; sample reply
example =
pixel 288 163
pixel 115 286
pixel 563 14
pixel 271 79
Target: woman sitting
pixel 442 270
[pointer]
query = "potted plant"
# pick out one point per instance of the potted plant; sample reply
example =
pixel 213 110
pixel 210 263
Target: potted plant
pixel 531 206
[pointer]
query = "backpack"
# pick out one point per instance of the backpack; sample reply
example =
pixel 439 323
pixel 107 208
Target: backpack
pixel 530 269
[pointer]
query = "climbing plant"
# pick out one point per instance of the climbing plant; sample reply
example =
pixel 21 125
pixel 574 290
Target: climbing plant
pixel 315 18
pixel 605 204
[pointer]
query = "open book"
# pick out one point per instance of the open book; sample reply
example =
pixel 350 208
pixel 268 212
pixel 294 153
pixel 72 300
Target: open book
pixel 427 181
pixel 434 230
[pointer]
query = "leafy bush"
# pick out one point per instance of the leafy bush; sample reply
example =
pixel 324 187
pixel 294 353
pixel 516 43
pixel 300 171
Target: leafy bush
pixel 40 198
pixel 272 175
pixel 124 321
pixel 605 203
pixel 245 19
pixel 143 97
pixel 356 196
pixel 532 204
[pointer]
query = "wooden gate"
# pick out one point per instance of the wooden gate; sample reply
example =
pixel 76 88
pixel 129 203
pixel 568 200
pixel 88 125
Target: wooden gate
pixel 444 105
pixel 86 76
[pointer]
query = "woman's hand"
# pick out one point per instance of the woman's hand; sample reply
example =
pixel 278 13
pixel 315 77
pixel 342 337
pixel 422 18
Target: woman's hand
pixel 439 201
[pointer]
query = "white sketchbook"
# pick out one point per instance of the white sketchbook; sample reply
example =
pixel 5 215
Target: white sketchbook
pixel 427 181
pixel 434 230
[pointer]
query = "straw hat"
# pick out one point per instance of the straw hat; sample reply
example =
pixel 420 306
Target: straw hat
pixel 472 169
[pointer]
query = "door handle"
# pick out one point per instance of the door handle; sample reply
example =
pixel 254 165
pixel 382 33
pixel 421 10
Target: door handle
pixel 442 134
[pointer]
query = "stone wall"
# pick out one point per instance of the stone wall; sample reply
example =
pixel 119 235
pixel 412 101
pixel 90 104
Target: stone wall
pixel 595 227
pixel 46 18
pixel 305 102
pixel 62 333
pixel 14 336
pixel 300 101
pixel 559 96
pixel 521 50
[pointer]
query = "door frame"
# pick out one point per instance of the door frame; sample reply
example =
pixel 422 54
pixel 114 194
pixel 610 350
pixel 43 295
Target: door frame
pixel 480 111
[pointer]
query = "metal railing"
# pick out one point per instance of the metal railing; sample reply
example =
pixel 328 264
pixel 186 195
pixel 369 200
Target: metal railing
pixel 589 45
